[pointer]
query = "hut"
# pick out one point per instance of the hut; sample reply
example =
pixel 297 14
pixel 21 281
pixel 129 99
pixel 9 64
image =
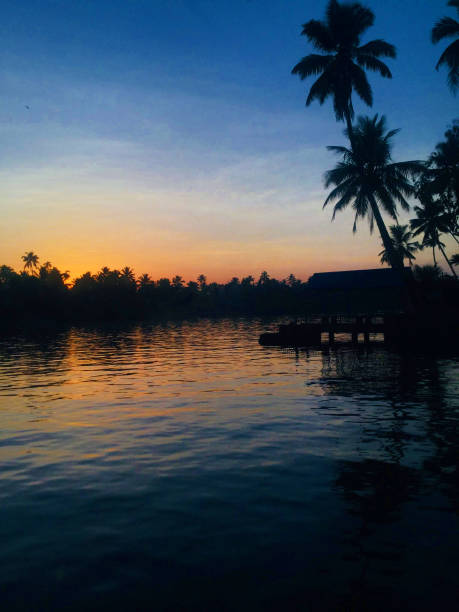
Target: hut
pixel 354 302
pixel 359 292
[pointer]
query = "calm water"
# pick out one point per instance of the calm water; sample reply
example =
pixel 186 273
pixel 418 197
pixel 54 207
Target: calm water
pixel 183 466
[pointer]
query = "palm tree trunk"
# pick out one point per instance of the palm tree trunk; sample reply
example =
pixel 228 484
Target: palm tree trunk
pixel 394 258
pixel 447 260
pixel 434 258
pixel 350 129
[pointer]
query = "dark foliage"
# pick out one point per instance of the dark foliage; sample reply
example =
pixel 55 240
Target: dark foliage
pixel 447 28
pixel 112 294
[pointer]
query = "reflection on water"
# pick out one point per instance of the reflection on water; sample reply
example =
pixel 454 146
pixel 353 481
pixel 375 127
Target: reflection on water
pixel 183 466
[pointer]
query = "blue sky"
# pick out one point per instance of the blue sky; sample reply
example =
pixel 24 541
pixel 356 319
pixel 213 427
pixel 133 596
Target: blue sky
pixel 171 136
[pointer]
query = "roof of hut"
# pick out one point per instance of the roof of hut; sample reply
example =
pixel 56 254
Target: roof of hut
pixel 356 292
pixel 357 279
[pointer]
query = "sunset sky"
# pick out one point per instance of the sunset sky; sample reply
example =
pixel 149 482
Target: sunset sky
pixel 169 135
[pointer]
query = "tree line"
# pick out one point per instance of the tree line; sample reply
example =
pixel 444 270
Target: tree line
pixel 43 292
pixel 366 177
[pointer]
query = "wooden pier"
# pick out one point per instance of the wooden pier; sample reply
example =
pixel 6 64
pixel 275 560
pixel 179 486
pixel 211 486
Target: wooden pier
pixel 309 331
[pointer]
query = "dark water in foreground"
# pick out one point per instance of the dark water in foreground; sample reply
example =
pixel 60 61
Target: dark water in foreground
pixel 183 466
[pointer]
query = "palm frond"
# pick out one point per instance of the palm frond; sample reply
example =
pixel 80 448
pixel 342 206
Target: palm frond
pixel 320 90
pixel 361 84
pixel 339 149
pixel 373 63
pixel 312 64
pixel 378 48
pixel 341 189
pixel 408 169
pixel 450 57
pixel 338 175
pixel 342 203
pixel 446 27
pixel 319 35
pixel 384 197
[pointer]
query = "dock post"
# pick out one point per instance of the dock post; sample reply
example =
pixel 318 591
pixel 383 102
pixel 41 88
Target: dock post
pixel 355 337
pixel 331 335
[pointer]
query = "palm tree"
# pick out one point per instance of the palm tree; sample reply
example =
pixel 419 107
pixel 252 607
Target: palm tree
pixel 144 280
pixel 264 278
pixel 444 164
pixel 30 261
pixel 431 221
pixel 455 259
pixel 128 274
pixel 367 178
pixel 177 281
pixel 202 280
pixel 341 67
pixel 442 177
pixel 447 27
pixel 401 237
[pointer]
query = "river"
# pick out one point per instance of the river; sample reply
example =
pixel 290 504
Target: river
pixel 181 466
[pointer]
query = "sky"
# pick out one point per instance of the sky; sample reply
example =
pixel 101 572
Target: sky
pixel 170 136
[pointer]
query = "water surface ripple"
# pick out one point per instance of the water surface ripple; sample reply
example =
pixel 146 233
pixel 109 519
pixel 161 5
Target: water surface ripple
pixel 181 466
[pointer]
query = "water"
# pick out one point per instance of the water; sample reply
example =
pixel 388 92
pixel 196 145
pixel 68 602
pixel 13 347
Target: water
pixel 184 467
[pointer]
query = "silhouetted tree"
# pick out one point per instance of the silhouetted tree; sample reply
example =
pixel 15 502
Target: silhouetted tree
pixel 431 221
pixel 427 275
pixel 367 178
pixel 292 281
pixel 128 274
pixel 341 67
pixel 447 27
pixel 401 236
pixel 441 178
pixel 202 280
pixel 144 280
pixel 177 282
pixel 248 281
pixel 30 261
pixel 264 278
pixel 6 273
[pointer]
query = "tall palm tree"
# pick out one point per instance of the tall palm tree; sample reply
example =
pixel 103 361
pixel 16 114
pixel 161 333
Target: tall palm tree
pixel 341 67
pixel 401 236
pixel 30 261
pixel 431 222
pixel 447 27
pixel 367 178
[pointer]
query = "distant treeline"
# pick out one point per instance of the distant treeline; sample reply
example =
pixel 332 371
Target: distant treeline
pixel 44 292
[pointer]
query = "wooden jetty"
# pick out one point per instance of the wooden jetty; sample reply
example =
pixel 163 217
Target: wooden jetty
pixel 353 302
pixel 309 331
